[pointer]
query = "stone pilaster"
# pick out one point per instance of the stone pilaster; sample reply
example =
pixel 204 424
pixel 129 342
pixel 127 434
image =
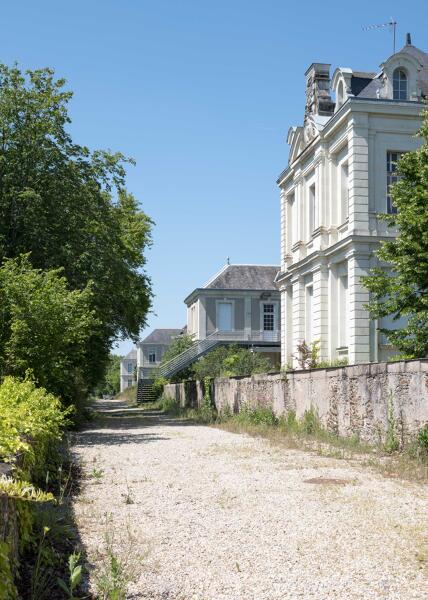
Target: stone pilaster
pixel 320 308
pixel 359 320
pixel 358 176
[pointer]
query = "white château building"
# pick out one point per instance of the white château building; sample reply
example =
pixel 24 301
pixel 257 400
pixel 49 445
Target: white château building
pixel 341 163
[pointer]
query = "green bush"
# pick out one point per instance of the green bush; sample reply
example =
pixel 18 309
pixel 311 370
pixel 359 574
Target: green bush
pixel 257 416
pixel 422 440
pixel 31 422
pixel 169 405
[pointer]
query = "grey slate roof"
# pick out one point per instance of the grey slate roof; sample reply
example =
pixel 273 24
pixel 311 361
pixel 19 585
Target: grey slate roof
pixel 161 336
pixel 132 355
pixel 244 277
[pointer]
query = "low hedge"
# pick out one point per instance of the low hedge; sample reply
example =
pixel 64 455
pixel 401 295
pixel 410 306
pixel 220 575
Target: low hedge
pixel 32 422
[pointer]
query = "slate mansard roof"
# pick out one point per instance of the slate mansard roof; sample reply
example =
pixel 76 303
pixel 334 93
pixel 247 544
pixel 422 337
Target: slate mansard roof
pixel 161 336
pixel 240 277
pixel 132 355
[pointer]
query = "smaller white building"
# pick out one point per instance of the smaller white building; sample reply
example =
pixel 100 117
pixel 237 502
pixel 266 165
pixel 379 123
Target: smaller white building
pixel 128 370
pixel 151 349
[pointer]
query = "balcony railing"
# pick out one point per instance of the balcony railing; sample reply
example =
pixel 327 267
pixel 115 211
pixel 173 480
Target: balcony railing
pixel 254 336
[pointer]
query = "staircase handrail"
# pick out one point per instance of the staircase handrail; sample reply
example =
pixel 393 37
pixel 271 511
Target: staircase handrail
pixel 187 355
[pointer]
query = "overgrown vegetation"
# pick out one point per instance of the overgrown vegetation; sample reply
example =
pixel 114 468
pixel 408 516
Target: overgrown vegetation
pixel 111 382
pixel 72 281
pixel 308 357
pixel 231 361
pixel 32 425
pixel 400 290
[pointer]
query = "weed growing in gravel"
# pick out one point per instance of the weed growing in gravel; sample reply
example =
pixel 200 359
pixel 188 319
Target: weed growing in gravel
pixel 112 582
pixel 118 568
pixel 96 474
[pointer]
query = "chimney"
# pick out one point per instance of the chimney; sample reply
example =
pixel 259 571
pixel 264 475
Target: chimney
pixel 318 99
pixel 408 39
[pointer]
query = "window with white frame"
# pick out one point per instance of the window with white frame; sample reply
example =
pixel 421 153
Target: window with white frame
pixel 268 317
pixel 130 367
pixel 399 85
pixel 130 382
pixel 152 355
pixel 392 177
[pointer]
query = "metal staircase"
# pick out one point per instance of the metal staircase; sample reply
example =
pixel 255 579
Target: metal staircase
pixel 216 338
pixel 145 392
pixel 186 358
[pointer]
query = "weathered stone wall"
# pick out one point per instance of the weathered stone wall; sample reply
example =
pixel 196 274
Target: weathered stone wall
pixel 349 400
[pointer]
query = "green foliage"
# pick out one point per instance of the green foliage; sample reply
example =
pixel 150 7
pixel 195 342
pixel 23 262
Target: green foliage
pixel 74 578
pixel 310 424
pixel 31 421
pixel 231 361
pixel 327 364
pixel 308 354
pixel 68 208
pixel 111 382
pixel 168 405
pixel 401 291
pixel 257 416
pixel 178 345
pixel 22 490
pixel 45 327
pixel 422 439
pixel 113 582
pixel 8 590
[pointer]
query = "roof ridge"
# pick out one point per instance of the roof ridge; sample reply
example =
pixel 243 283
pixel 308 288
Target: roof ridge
pixel 216 275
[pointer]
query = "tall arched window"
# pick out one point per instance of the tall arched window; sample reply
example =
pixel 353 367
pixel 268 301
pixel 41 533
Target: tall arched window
pixel 399 85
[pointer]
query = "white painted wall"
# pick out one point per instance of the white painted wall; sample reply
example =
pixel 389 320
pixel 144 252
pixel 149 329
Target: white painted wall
pixel 347 166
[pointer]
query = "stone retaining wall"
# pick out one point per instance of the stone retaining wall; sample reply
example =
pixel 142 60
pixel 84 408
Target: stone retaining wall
pixel 349 400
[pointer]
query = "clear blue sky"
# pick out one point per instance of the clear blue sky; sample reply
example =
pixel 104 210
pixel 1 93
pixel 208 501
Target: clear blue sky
pixel 201 94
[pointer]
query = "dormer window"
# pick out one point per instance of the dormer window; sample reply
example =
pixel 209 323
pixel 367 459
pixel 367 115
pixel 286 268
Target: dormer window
pixel 399 85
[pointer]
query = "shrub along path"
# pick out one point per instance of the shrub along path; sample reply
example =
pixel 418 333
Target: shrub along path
pixel 178 511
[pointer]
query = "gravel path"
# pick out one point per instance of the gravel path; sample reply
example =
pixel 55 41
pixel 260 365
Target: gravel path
pixel 197 513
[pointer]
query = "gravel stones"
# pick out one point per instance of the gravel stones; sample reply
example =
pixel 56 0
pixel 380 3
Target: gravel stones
pixel 198 513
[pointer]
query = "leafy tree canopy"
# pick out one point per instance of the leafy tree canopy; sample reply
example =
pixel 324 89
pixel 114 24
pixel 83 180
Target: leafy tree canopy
pixel 402 290
pixel 178 345
pixel 111 381
pixel 68 208
pixel 45 328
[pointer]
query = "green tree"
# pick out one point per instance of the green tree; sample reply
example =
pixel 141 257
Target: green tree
pixel 178 345
pixel 45 328
pixel 231 361
pixel 68 207
pixel 111 381
pixel 401 290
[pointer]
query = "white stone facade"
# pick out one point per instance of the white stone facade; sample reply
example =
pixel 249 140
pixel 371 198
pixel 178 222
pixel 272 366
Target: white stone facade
pixel 128 366
pixel 332 192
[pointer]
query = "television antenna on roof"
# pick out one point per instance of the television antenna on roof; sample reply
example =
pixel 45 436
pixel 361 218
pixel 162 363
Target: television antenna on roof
pixel 391 24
